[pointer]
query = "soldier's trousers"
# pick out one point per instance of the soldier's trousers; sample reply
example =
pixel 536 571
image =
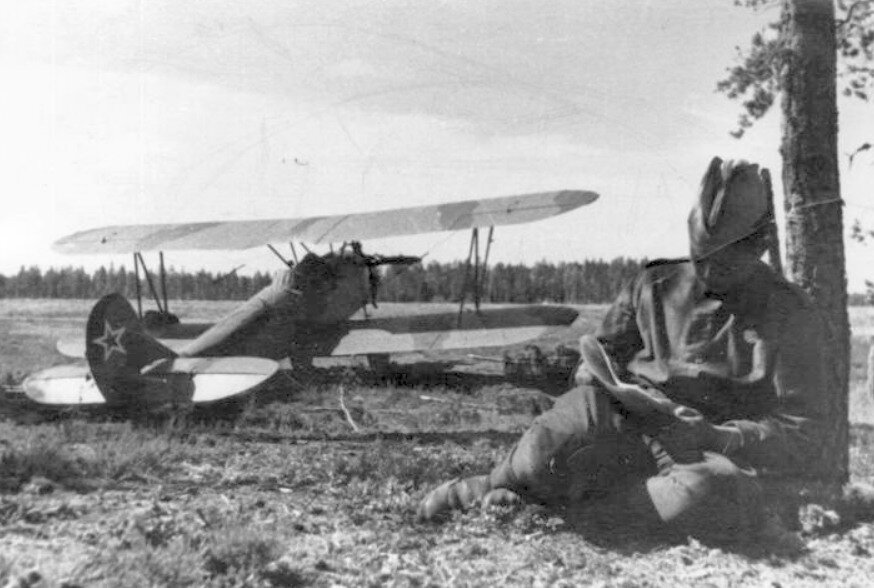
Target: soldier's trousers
pixel 587 448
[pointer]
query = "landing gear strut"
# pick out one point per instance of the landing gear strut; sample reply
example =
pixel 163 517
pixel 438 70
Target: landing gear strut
pixel 379 363
pixel 479 270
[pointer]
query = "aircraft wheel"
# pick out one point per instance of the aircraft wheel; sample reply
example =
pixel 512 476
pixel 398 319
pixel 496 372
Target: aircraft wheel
pixel 379 363
pixel 300 361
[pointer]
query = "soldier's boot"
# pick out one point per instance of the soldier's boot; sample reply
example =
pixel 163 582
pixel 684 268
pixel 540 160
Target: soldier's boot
pixel 502 497
pixel 453 495
pixel 465 494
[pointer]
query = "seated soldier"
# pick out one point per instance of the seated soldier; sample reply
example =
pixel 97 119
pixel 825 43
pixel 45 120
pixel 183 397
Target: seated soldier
pixel 728 345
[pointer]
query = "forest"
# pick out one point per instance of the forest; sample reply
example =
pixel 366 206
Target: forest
pixel 589 281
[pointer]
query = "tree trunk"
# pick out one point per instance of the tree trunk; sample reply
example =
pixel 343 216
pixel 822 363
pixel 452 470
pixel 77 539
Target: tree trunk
pixel 869 383
pixel 814 218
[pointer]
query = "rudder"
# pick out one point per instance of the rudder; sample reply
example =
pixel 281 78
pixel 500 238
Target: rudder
pixel 117 348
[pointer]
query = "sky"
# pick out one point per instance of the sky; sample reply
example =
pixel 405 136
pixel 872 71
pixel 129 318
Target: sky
pixel 124 111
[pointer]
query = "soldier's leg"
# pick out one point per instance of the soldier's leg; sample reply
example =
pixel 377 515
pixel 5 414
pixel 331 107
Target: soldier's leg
pixel 714 497
pixel 582 444
pixel 578 446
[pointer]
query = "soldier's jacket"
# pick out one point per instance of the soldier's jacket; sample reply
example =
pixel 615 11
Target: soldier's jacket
pixel 751 360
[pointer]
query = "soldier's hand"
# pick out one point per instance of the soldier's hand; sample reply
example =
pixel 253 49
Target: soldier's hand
pixel 688 435
pixel 726 439
pixel 582 376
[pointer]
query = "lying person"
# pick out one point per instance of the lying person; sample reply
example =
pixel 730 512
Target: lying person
pixel 705 372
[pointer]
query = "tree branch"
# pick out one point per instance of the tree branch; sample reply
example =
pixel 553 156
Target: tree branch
pixel 851 9
pixel 349 418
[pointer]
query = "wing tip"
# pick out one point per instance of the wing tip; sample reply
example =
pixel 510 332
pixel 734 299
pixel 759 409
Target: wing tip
pixel 580 197
pixel 80 242
pixel 568 200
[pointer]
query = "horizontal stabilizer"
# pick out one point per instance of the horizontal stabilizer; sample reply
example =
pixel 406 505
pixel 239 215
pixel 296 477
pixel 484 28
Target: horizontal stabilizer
pixel 187 380
pixel 245 234
pixel 214 378
pixel 63 385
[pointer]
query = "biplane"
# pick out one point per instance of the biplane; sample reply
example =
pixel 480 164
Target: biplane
pixel 317 306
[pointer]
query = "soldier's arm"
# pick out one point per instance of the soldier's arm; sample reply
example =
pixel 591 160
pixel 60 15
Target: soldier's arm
pixel 787 436
pixel 619 332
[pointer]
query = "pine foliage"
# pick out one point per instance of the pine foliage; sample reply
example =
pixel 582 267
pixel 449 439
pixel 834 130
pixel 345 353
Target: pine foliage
pixel 589 281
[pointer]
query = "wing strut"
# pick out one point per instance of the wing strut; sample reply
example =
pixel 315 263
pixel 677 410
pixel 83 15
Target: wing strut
pixel 165 317
pixel 479 270
pixel 138 286
pixel 152 289
pixel 489 241
pixel 279 255
pixel 164 282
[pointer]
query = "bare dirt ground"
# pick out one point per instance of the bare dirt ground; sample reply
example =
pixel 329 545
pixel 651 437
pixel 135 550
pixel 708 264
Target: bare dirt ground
pixel 285 492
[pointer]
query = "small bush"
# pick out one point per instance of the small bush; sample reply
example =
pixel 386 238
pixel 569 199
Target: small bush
pixel 857 502
pixel 240 550
pixel 12 378
pixel 37 457
pixel 138 455
pixel 6 570
pixel 73 453
pixel 176 564
pixel 276 416
pixel 168 546
pixel 406 463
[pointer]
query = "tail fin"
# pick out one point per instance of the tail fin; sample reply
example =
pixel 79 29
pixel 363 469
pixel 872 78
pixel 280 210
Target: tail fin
pixel 134 370
pixel 117 348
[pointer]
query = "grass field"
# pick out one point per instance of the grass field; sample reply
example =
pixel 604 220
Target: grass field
pixel 288 494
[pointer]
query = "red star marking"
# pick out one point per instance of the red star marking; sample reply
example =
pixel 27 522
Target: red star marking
pixel 111 341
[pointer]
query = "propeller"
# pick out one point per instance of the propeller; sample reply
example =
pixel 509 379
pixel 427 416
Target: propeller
pixel 373 261
pixel 378 260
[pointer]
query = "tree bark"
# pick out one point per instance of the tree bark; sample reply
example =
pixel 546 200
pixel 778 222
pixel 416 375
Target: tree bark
pixel 814 216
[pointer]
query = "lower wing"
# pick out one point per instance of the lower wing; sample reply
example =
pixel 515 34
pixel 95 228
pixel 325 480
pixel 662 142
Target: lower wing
pixel 493 327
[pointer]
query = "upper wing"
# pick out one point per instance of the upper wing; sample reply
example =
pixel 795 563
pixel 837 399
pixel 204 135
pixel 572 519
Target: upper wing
pixel 506 210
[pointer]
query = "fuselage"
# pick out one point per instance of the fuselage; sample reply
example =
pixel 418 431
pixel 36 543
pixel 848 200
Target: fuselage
pixel 301 314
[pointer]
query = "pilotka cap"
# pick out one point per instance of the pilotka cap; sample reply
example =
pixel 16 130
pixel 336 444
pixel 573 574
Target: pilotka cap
pixel 732 204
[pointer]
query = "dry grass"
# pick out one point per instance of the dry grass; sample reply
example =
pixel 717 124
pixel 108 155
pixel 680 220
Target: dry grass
pixel 80 455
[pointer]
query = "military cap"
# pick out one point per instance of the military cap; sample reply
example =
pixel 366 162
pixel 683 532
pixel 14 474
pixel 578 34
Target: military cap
pixel 732 204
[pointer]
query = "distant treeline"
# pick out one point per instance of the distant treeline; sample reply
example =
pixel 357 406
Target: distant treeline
pixel 590 281
pixel 578 282
pixel 72 282
pixel 587 281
